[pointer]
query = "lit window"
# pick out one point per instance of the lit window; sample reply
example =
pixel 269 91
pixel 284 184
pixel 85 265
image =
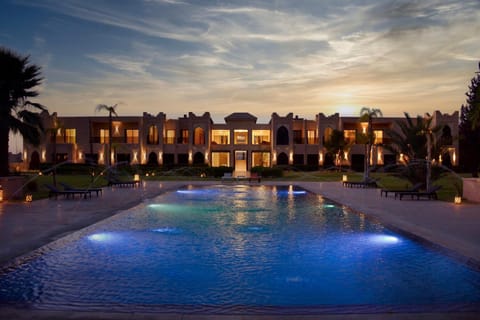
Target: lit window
pixel 311 137
pixel 70 135
pixel 327 134
pixel 152 135
pixel 260 136
pixel 378 134
pixel 199 136
pixel 104 136
pixel 260 159
pixel 184 136
pixel 131 136
pixel 170 137
pixel 220 159
pixel 349 135
pixel 240 136
pixel 221 136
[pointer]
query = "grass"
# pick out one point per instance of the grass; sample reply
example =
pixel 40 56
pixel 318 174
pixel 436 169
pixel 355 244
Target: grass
pixel 36 183
pixel 451 184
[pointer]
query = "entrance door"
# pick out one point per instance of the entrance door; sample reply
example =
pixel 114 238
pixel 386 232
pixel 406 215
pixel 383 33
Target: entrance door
pixel 240 163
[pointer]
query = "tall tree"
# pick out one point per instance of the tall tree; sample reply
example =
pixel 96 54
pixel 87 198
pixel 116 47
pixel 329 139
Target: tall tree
pixel 111 112
pixel 367 115
pixel 416 142
pixel 337 145
pixel 469 128
pixel 52 134
pixel 18 80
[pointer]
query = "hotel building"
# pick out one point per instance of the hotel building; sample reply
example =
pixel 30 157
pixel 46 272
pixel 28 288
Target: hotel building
pixel 240 142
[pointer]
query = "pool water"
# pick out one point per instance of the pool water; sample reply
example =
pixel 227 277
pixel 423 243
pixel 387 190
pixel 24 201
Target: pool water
pixel 240 249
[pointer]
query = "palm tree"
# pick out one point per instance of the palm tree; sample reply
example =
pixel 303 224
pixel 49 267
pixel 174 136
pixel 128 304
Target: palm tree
pixel 415 141
pixel 18 79
pixel 111 111
pixel 367 115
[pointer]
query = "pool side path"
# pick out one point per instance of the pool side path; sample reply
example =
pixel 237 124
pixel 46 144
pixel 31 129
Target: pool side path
pixel 27 226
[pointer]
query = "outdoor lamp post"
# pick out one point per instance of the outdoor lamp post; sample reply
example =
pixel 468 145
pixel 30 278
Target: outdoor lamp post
pixel 365 126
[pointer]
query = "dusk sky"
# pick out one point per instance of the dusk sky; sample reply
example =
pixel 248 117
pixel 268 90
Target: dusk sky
pixel 305 57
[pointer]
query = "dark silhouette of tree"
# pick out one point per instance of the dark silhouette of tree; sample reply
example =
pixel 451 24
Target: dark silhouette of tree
pixel 336 145
pixel 469 128
pixel 367 115
pixel 18 80
pixel 52 134
pixel 111 112
pixel 412 141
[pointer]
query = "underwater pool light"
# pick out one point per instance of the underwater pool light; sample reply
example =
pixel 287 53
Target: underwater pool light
pixel 167 230
pixel 384 239
pixel 104 237
pixel 188 191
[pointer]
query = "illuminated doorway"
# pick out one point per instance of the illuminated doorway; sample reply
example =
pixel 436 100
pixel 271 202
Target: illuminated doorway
pixel 241 162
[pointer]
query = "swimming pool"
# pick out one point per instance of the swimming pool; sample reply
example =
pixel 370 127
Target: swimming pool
pixel 240 249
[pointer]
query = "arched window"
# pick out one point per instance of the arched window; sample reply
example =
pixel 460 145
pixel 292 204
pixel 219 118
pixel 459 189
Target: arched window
pixel 327 134
pixel 152 137
pixel 282 136
pixel 199 136
pixel 282 159
pixel 198 158
pixel 152 159
pixel 446 138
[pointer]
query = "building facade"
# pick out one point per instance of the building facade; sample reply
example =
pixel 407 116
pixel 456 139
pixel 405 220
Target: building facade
pixel 240 142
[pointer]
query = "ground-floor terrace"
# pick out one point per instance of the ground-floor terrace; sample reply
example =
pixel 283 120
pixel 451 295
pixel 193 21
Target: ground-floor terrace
pixel 27 226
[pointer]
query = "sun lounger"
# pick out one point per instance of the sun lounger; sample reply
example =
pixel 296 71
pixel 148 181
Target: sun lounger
pixel 68 187
pixel 414 188
pixel 112 181
pixel 429 194
pixel 370 183
pixel 54 192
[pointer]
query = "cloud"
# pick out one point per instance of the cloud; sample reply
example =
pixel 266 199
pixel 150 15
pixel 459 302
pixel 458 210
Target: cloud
pixel 281 56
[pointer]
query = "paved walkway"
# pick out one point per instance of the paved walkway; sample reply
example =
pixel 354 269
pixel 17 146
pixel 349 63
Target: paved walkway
pixel 27 226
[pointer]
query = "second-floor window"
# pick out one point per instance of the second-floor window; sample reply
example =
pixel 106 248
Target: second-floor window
pixel 349 135
pixel 184 138
pixel 378 134
pixel 170 137
pixel 104 136
pixel 297 137
pixel 221 136
pixel 240 136
pixel 131 136
pixel 260 136
pixel 199 136
pixel 311 137
pixel 64 136
pixel 152 137
pixel 70 136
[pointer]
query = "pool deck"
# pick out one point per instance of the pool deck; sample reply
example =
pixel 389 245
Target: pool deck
pixel 25 227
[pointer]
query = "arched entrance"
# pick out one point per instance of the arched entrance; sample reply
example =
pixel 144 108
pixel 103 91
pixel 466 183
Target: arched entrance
pixel 282 159
pixel 152 159
pixel 198 158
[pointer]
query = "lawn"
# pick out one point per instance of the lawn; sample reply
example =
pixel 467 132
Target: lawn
pixel 451 184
